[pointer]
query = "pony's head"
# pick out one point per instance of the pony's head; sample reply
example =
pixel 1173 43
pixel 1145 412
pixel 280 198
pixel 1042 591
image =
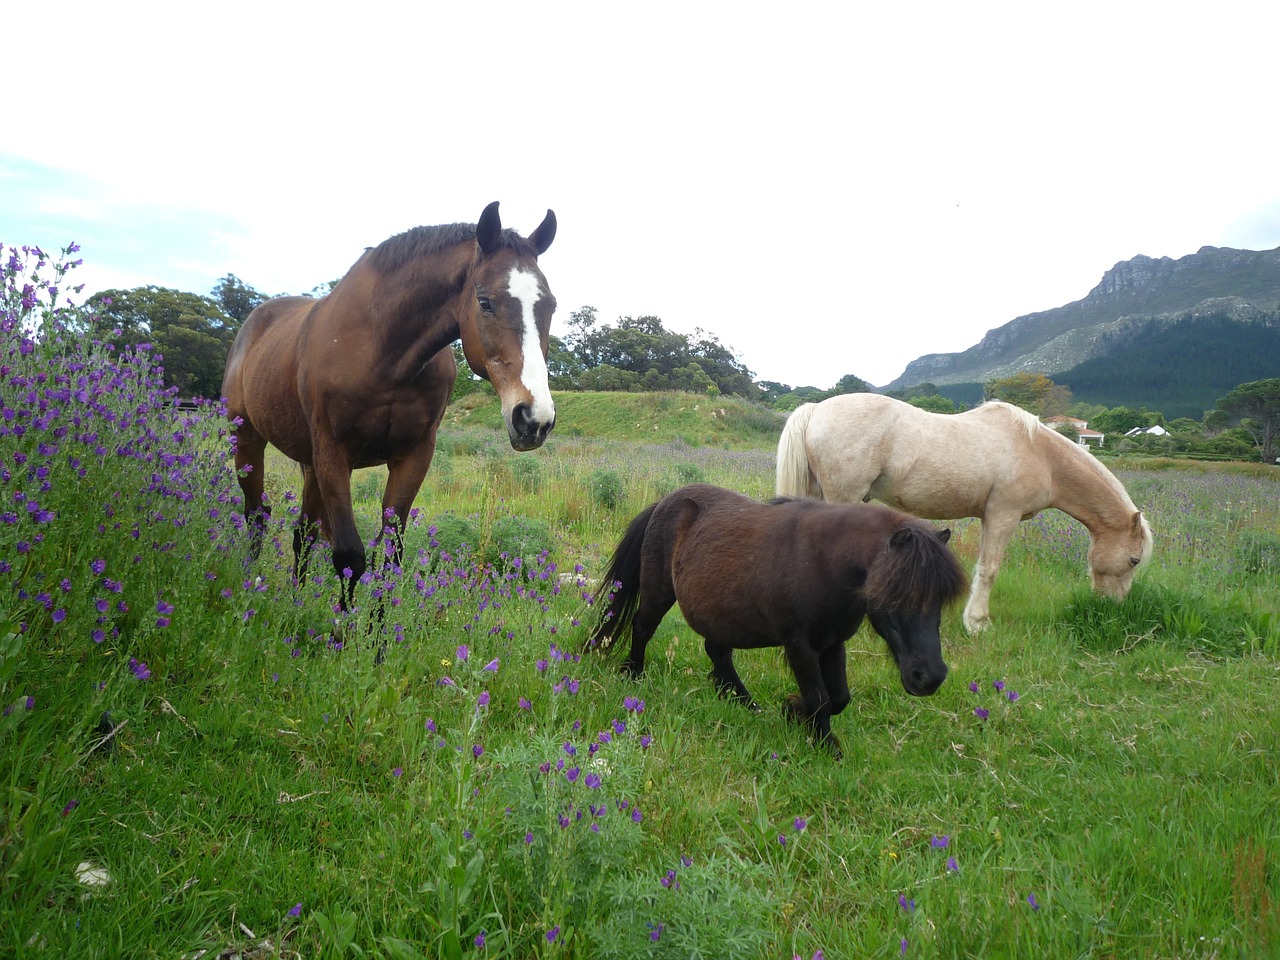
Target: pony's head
pixel 914 578
pixel 506 322
pixel 1116 553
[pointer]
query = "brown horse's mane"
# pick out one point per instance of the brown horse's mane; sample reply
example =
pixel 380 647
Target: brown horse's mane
pixel 393 253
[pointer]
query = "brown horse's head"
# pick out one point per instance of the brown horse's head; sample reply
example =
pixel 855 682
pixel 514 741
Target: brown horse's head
pixel 1116 552
pixel 506 321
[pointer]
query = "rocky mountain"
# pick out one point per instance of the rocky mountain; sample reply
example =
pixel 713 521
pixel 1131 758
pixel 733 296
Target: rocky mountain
pixel 1214 282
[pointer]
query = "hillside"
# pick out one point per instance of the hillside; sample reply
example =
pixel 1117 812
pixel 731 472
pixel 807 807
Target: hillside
pixel 726 422
pixel 1123 315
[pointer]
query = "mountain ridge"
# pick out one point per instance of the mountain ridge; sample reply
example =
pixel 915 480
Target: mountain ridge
pixel 1243 285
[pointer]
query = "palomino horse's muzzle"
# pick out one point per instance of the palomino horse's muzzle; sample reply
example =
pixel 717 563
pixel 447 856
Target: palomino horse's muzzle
pixel 526 431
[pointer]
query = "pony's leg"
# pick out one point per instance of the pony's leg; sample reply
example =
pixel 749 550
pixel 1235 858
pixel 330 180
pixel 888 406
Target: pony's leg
pixel 997 529
pixel 835 676
pixel 250 446
pixel 648 616
pixel 812 705
pixel 725 676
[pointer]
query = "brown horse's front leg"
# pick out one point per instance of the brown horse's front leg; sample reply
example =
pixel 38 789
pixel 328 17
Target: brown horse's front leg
pixel 249 449
pixel 333 484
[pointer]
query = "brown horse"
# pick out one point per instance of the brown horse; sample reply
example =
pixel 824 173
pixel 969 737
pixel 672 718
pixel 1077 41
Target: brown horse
pixel 996 462
pixel 361 377
pixel 799 574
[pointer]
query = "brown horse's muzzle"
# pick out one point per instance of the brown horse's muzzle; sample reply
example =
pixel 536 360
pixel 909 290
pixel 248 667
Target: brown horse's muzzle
pixel 525 431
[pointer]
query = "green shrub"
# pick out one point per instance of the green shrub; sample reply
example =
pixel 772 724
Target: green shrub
pixel 606 488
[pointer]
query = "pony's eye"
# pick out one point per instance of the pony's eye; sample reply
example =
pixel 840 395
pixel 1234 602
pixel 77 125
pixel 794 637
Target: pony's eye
pixel 485 304
pixel 1134 561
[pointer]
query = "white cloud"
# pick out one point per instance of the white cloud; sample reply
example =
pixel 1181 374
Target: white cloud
pixel 828 189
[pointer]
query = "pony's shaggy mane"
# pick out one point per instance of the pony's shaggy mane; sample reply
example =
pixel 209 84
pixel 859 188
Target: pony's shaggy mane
pixel 393 253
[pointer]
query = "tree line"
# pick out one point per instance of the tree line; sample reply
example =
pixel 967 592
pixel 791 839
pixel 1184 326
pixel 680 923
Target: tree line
pixel 193 334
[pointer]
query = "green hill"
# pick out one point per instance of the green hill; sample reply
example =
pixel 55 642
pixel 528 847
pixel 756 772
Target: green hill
pixel 698 420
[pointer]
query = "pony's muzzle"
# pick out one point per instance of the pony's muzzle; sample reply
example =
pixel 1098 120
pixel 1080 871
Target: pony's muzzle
pixel 525 430
pixel 923 680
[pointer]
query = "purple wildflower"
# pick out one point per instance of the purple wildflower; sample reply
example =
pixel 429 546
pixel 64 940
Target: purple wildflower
pixel 940 842
pixel 1031 899
pixel 295 910
pixel 981 712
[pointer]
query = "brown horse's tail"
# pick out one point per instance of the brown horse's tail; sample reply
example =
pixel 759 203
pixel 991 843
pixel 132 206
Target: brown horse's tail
pixel 618 596
pixel 794 476
pixel 916 572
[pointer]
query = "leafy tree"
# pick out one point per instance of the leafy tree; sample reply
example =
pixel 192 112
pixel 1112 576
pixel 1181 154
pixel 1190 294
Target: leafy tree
pixel 771 390
pixel 1255 406
pixel 935 403
pixel 236 298
pixel 191 332
pixel 1030 391
pixel 654 357
pixel 851 384
pixel 1120 420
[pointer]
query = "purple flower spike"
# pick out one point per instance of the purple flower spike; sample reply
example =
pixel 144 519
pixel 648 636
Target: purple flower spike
pixel 981 712
pixel 1031 899
pixel 940 843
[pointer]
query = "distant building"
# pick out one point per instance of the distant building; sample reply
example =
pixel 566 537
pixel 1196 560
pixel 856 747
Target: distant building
pixel 1156 431
pixel 1084 435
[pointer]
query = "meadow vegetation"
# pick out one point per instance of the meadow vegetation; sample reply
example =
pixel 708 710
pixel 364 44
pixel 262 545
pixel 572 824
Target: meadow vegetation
pixel 194 762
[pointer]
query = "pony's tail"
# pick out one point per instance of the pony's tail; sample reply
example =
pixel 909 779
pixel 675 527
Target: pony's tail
pixel 618 596
pixel 917 572
pixel 794 478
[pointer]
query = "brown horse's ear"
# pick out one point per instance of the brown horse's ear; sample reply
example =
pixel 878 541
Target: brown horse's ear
pixel 1135 523
pixel 900 536
pixel 945 534
pixel 546 232
pixel 489 229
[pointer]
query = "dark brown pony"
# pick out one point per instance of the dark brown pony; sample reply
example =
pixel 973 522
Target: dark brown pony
pixel 361 377
pixel 799 574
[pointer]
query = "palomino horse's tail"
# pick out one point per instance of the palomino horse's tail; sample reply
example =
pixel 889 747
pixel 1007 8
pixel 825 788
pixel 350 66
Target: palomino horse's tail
pixel 794 478
pixel 916 572
pixel 618 596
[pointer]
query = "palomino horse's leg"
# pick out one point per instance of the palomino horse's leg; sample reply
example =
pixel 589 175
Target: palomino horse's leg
pixel 812 706
pixel 250 446
pixel 725 676
pixel 997 529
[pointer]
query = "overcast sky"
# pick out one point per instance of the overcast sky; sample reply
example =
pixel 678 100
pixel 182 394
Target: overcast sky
pixel 827 188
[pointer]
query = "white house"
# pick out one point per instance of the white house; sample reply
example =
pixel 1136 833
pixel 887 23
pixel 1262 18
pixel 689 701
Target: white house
pixel 1156 431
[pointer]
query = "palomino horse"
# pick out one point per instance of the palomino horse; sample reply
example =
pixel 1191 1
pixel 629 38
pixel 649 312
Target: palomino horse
pixel 792 573
pixel 362 376
pixel 996 462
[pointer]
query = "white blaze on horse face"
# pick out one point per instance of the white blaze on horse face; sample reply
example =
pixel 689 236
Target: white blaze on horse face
pixel 524 286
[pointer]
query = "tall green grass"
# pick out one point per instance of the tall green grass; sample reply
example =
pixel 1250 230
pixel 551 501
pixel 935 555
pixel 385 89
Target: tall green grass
pixel 221 771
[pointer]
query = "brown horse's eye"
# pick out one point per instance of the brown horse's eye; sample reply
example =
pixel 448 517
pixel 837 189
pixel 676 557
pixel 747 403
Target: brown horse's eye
pixel 486 304
pixel 1134 561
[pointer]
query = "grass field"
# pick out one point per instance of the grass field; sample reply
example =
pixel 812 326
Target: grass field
pixel 192 766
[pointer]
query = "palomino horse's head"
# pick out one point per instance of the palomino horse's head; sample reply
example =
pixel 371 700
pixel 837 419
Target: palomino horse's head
pixel 506 321
pixel 1115 553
